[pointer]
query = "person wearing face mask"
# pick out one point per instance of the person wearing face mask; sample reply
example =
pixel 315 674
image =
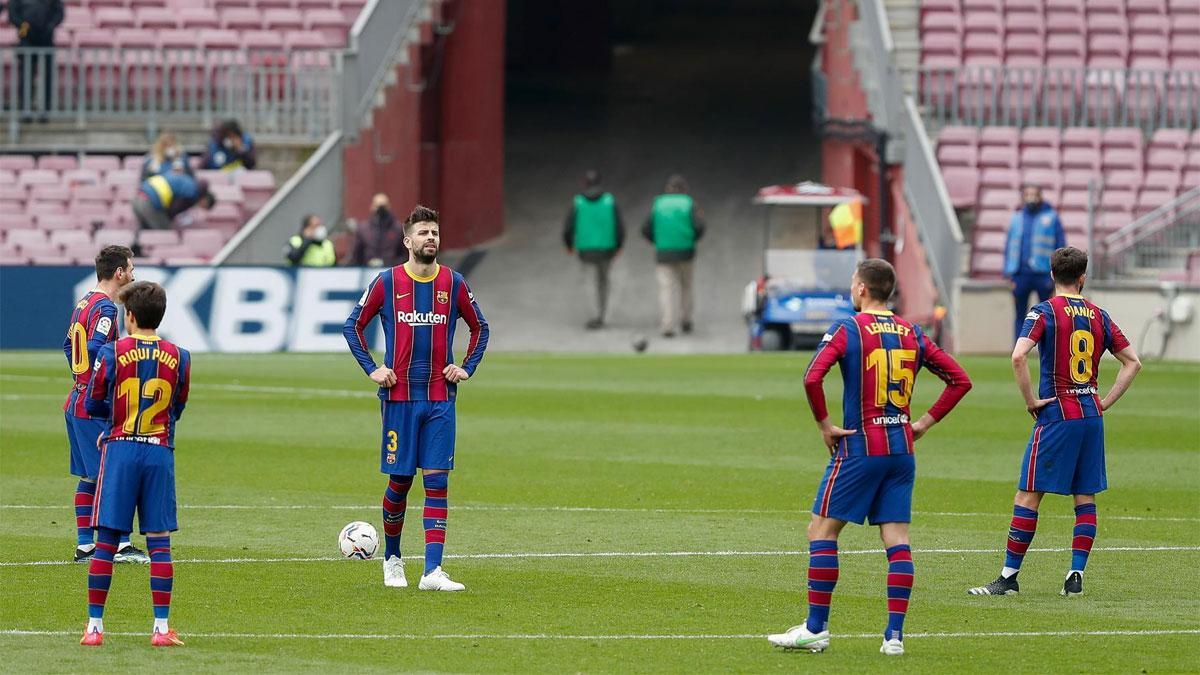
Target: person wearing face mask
pixel 311 248
pixel 380 242
pixel 230 149
pixel 167 156
pixel 1034 233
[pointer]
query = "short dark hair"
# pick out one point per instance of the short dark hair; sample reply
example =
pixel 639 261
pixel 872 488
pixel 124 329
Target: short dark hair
pixel 110 259
pixel 420 214
pixel 591 178
pixel 676 183
pixel 879 277
pixel 306 220
pixel 147 300
pixel 1067 264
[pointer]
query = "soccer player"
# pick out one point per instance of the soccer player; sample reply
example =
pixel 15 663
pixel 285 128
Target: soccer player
pixel 871 468
pixel 140 386
pixel 93 325
pixel 1065 454
pixel 419 304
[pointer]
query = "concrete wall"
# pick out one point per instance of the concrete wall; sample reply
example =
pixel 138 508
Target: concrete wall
pixel 985 318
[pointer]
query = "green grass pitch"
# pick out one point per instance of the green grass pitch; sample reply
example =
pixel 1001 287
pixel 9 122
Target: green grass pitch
pixel 696 473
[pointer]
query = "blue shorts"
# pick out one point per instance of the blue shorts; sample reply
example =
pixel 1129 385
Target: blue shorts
pixel 859 487
pixel 417 434
pixel 136 475
pixel 1066 458
pixel 82 432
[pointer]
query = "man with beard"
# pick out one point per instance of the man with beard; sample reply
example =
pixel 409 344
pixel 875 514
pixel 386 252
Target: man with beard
pixel 419 304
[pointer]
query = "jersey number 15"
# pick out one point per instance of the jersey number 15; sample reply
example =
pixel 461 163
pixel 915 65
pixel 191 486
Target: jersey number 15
pixel 892 366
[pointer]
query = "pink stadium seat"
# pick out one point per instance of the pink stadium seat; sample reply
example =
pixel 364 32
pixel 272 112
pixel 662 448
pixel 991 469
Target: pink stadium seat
pixel 954 135
pixel 1179 7
pixel 178 39
pixel 1150 24
pixel 942 22
pixel 315 4
pixel 26 237
pixel 994 220
pixel 1084 159
pixel 156 18
pixel 1166 179
pixel 57 162
pixel 53 221
pixel 241 18
pixel 282 19
pixel 199 17
pixel 1024 23
pixel 1151 198
pixel 1003 179
pixel 1146 46
pixel 221 4
pixel 11 255
pixel 1081 137
pixel 1118 199
pixel 998 199
pixel 100 162
pixel 982 49
pixel 133 162
pixel 71 237
pixel 1047 179
pixel 1004 137
pixel 38 177
pixel 203 243
pixel 137 38
pixel 258 186
pixel 1064 49
pixel 1184 46
pixel 225 215
pixel 75 18
pixel 987 265
pixel 49 193
pixel 1027 49
pixel 997 157
pixel 1146 7
pixel 114 17
pixel 264 40
pixel 118 177
pixel 982 5
pixel 957 155
pixel 220 39
pixel 17 162
pixel 107 236
pixel 962 185
pixel 1121 137
pixel 159 238
pixel 276 4
pixel 1175 139
pixel 1165 159
pixel 331 24
pixel 990 240
pixel 226 193
pixel 93 39
pixel 1039 158
pixel 13 192
pixel 15 221
pixel 8 177
pixel 1111 221
pixel 302 40
pixel 942 44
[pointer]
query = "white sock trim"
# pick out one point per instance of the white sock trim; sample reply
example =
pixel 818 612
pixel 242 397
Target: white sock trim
pixel 1009 572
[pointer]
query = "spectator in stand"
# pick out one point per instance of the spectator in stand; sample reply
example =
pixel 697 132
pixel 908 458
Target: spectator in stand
pixel 380 242
pixel 674 226
pixel 311 248
pixel 167 156
pixel 1034 232
pixel 594 231
pixel 35 21
pixel 229 149
pixel 161 198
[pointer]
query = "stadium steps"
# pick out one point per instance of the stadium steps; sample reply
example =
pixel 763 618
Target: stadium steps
pixel 904 18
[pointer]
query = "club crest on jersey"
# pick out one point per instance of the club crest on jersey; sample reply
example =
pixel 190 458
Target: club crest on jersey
pixel 443 297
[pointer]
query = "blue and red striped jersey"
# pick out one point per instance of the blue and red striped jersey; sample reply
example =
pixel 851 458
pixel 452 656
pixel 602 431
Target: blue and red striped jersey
pixel 140 384
pixel 1072 334
pixel 879 355
pixel 419 315
pixel 93 325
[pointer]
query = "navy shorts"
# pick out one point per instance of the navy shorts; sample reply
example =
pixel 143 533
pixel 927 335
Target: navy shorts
pixel 136 475
pixel 861 487
pixel 1066 458
pixel 417 434
pixel 82 432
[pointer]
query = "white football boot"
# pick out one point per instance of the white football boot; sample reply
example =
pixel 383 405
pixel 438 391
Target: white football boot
pixel 393 573
pixel 438 580
pixel 892 647
pixel 799 637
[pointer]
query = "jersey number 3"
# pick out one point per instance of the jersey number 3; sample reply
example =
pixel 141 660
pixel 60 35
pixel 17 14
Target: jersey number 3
pixel 892 366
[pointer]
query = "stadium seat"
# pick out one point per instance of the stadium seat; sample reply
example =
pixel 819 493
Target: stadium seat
pixel 998 157
pixel 220 39
pixel 299 40
pixel 155 18
pixel 114 17
pixel 283 19
pixel 1004 179
pixel 55 192
pixel 990 240
pixel 17 163
pixel 152 238
pixel 100 162
pixel 47 219
pixel 330 23
pixel 987 264
pixel 38 177
pixel 957 155
pixel 264 40
pixel 204 243
pixel 962 184
pixel 71 237
pixel 10 221
pixel 57 162
pixel 241 18
pixel 116 237
pixel 198 18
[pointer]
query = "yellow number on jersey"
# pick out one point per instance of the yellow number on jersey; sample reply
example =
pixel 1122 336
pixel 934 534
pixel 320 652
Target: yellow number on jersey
pixel 393 441
pixel 77 335
pixel 890 368
pixel 133 392
pixel 1083 343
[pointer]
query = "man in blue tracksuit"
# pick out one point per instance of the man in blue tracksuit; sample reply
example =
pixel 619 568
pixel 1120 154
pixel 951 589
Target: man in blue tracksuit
pixel 1034 232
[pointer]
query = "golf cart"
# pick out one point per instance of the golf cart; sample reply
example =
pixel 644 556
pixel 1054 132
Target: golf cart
pixel 805 282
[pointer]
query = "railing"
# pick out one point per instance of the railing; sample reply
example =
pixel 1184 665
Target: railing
pixel 379 33
pixel 285 93
pixel 1059 97
pixel 1159 240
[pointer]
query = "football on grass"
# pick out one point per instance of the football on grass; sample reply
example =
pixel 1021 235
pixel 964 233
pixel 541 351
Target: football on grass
pixel 358 540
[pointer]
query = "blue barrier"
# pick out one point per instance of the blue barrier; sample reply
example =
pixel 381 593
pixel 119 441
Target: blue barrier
pixel 226 309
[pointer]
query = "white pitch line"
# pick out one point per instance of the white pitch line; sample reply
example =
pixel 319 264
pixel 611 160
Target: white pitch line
pixel 17 632
pixel 589 509
pixel 623 554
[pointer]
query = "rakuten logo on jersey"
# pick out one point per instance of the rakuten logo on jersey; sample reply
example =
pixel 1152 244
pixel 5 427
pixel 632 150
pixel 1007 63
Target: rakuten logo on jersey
pixel 421 318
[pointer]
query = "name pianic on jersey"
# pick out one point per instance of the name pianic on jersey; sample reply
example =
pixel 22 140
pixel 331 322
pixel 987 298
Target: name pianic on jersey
pixel 419 315
pixel 1072 334
pixel 93 325
pixel 140 384
pixel 879 355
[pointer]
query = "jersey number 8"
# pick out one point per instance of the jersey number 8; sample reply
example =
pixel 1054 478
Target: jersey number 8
pixel 1083 343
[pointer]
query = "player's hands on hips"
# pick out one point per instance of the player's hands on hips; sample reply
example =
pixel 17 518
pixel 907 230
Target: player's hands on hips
pixel 833 436
pixel 1035 407
pixel 384 376
pixel 454 374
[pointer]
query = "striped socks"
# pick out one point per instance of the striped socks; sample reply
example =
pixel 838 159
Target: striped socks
pixel 395 504
pixel 162 578
pixel 435 518
pixel 1020 535
pixel 1085 534
pixel 85 498
pixel 899 588
pixel 822 577
pixel 100 575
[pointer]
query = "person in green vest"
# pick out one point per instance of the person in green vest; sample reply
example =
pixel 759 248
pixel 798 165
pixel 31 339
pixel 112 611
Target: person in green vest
pixel 674 226
pixel 593 230
pixel 311 247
